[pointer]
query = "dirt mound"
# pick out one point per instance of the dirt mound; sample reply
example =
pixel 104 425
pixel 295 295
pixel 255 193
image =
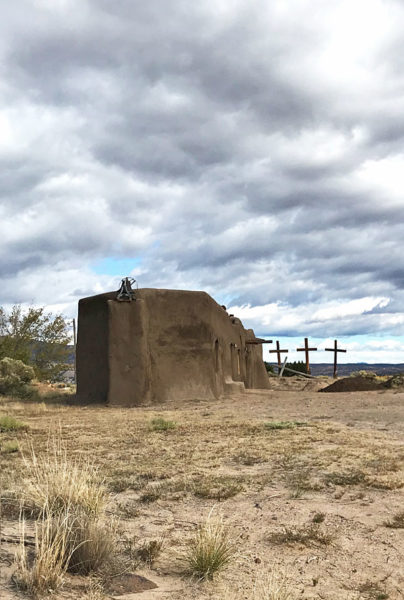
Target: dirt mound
pixel 353 384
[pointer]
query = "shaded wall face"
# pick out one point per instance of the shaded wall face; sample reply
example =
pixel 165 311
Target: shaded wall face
pixel 130 380
pixel 92 362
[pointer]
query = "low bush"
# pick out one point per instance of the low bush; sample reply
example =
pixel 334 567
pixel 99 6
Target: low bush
pixel 15 377
pixel 366 374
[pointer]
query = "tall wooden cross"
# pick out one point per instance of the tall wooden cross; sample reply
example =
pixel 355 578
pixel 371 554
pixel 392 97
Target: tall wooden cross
pixel 278 352
pixel 335 350
pixel 306 349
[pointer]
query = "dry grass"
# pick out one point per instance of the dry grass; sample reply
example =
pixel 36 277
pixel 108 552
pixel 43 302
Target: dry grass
pixel 210 550
pixel 318 517
pixel 149 551
pixel 91 544
pixel 94 591
pixel 397 522
pixel 307 535
pixel 271 586
pixel 217 488
pixel 373 590
pixel 9 447
pixel 44 573
pixel 70 534
pixel 162 482
pixel 57 482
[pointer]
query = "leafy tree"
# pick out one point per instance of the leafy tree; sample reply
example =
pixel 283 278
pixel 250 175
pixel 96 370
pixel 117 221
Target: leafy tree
pixel 296 366
pixel 37 338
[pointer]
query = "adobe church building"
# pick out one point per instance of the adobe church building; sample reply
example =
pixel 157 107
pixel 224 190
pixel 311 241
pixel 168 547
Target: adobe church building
pixel 163 345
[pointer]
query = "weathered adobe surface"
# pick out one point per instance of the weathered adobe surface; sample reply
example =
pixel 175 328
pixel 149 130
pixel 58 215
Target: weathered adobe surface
pixel 165 345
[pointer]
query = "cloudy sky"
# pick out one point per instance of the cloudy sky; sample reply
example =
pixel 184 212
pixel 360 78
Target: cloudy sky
pixel 254 150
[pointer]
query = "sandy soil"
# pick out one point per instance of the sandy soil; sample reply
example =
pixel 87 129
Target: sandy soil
pixel 340 456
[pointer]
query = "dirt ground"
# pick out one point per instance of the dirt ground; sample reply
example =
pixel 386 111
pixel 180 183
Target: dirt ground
pixel 305 481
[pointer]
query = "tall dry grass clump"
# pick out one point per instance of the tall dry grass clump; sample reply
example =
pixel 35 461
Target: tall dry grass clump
pixel 44 573
pixel 71 533
pixel 210 550
pixel 271 586
pixel 57 482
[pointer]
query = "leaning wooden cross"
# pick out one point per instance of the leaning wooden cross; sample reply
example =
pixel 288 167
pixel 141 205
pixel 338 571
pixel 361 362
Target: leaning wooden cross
pixel 335 350
pixel 306 349
pixel 278 351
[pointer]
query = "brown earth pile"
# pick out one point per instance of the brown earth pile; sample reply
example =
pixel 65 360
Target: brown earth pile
pixel 353 384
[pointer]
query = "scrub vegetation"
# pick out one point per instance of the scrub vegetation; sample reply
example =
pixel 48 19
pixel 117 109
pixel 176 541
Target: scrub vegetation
pixel 217 505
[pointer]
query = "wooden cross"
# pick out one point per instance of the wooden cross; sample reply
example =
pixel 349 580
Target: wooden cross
pixel 306 349
pixel 278 352
pixel 335 350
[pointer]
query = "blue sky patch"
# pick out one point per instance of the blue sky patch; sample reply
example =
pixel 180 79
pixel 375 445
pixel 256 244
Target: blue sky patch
pixel 121 267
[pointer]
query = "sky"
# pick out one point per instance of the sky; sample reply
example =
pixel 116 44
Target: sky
pixel 254 150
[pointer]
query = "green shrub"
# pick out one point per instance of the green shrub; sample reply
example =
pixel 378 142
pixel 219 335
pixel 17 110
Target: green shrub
pixel 396 381
pixel 160 424
pixel 15 377
pixel 11 424
pixel 299 366
pixel 367 374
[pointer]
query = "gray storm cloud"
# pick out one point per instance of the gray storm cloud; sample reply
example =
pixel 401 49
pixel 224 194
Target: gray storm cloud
pixel 250 149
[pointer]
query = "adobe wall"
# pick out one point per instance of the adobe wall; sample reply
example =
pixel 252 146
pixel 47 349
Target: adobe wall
pixel 163 346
